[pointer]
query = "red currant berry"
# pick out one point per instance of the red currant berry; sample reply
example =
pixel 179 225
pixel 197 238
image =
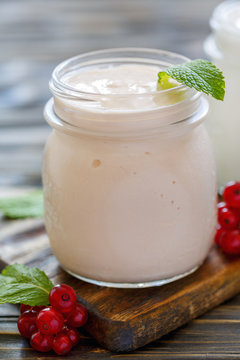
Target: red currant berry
pixel 24 308
pixel 49 321
pixel 220 233
pixel 230 242
pixel 73 335
pixel 78 317
pixel 27 323
pixel 41 342
pixel 227 219
pixel 62 344
pixel 63 298
pixel 236 211
pixel 231 194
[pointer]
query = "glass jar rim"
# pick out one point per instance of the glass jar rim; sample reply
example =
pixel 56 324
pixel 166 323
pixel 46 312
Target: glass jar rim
pixel 220 17
pixel 60 88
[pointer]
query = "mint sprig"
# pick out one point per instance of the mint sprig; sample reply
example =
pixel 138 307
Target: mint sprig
pixel 21 284
pixel 199 74
pixel 30 205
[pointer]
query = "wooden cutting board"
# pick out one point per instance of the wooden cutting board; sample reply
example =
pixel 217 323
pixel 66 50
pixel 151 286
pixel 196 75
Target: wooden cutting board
pixel 123 319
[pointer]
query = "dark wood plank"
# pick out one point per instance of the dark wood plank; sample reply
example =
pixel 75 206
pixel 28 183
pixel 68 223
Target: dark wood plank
pixel 126 319
pixel 203 338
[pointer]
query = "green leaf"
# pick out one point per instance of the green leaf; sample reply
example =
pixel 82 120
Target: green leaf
pixel 23 273
pixel 199 74
pixel 30 286
pixel 6 280
pixel 30 205
pixel 23 293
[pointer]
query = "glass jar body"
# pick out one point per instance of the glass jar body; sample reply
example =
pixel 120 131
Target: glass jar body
pixel 223 124
pixel 130 212
pixel 223 49
pixel 129 177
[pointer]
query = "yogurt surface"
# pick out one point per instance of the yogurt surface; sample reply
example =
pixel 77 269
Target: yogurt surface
pixel 122 79
pixel 122 87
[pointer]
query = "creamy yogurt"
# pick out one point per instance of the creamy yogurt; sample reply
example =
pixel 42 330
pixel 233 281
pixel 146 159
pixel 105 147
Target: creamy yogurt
pixel 123 79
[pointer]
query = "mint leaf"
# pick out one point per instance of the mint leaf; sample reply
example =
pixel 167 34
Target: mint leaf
pixel 28 294
pixel 30 205
pixel 6 280
pixel 23 273
pixel 199 74
pixel 21 284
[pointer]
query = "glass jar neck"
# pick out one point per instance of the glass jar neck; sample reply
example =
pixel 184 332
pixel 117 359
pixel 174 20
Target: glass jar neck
pixel 130 129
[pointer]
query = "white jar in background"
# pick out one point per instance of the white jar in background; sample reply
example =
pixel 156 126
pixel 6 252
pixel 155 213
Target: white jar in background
pixel 129 173
pixel 223 121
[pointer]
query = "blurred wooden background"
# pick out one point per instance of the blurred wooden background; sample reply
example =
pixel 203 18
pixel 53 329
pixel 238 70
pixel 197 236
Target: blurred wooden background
pixel 35 35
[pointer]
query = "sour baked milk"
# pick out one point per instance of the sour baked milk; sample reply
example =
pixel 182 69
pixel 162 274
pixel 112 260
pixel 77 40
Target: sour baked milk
pixel 129 174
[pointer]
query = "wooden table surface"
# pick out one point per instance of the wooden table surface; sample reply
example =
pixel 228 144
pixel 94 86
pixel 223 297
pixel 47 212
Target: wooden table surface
pixel 214 336
pixel 34 36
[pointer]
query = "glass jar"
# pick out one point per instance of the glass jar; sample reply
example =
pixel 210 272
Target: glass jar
pixel 129 179
pixel 223 121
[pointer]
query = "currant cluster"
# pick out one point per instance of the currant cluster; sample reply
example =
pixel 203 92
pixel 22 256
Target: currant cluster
pixel 228 230
pixel 54 326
